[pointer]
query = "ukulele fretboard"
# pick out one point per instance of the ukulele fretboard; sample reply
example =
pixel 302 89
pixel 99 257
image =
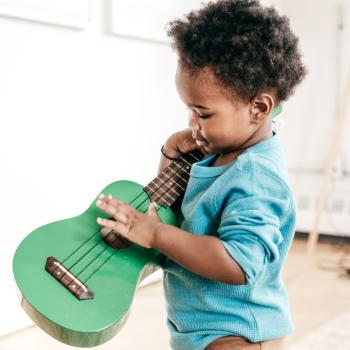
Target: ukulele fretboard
pixel 171 183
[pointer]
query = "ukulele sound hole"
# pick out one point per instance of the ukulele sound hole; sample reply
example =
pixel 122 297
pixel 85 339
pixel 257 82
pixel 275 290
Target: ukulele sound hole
pixel 114 239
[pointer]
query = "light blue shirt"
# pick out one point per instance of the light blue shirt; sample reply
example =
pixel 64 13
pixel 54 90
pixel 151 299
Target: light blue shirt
pixel 249 206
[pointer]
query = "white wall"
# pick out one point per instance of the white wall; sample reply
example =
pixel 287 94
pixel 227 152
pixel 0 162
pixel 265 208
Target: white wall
pixel 79 109
pixel 310 116
pixel 82 108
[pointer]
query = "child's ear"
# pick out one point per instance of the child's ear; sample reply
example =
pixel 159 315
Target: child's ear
pixel 261 107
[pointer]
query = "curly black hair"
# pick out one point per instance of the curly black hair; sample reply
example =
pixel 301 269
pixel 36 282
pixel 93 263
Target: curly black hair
pixel 250 48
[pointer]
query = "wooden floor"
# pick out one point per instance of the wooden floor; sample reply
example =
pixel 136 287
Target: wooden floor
pixel 317 295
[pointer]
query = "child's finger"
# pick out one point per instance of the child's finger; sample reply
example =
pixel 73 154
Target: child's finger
pixel 107 207
pixel 114 210
pixel 121 217
pixel 114 225
pixel 152 209
pixel 110 199
pixel 123 207
pixel 115 207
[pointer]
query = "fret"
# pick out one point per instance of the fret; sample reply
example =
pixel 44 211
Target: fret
pixel 182 168
pixel 169 187
pixel 166 193
pixel 191 158
pixel 183 189
pixel 156 197
pixel 196 159
pixel 175 173
pixel 164 201
pixel 186 161
pixel 171 177
pixel 152 183
pixel 174 178
pixel 168 204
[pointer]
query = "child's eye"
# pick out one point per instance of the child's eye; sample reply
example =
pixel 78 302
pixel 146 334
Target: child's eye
pixel 204 116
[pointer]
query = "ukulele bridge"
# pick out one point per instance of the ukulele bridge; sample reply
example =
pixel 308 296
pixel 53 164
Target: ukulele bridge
pixel 67 279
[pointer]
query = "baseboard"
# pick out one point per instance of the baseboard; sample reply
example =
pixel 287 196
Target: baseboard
pixel 326 238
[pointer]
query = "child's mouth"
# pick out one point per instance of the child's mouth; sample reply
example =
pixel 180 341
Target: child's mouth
pixel 201 143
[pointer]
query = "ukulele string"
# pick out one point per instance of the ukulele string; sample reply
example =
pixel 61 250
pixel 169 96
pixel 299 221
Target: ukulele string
pixel 116 250
pixel 95 257
pixel 113 253
pixel 91 236
pixel 70 255
pixel 97 243
pixel 136 207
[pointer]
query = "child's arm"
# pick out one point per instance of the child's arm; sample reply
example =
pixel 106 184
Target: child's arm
pixel 204 255
pixel 201 254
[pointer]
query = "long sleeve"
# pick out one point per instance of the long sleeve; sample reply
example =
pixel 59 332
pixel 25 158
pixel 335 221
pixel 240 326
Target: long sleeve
pixel 251 220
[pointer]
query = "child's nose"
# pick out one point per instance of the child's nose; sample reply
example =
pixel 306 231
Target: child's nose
pixel 193 121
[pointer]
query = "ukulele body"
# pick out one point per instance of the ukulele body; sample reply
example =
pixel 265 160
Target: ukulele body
pixel 111 274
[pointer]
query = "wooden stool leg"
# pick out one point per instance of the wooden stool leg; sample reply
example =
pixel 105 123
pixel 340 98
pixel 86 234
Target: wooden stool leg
pixel 337 137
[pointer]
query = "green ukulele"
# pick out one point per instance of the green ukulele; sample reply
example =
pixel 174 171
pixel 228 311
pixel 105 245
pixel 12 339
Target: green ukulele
pixel 77 280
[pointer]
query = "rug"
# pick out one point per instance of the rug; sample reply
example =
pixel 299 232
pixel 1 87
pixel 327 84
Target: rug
pixel 333 335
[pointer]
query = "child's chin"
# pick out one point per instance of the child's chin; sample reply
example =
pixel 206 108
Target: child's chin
pixel 204 149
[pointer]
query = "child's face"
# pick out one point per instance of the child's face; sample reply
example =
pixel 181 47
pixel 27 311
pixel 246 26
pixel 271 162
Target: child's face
pixel 221 122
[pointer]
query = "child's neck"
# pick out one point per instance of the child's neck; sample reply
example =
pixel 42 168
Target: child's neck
pixel 262 134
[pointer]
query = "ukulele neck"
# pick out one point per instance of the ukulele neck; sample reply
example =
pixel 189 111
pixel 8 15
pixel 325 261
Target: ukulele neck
pixel 171 183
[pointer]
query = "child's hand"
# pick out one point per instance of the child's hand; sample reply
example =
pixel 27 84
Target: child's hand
pixel 130 223
pixel 181 142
